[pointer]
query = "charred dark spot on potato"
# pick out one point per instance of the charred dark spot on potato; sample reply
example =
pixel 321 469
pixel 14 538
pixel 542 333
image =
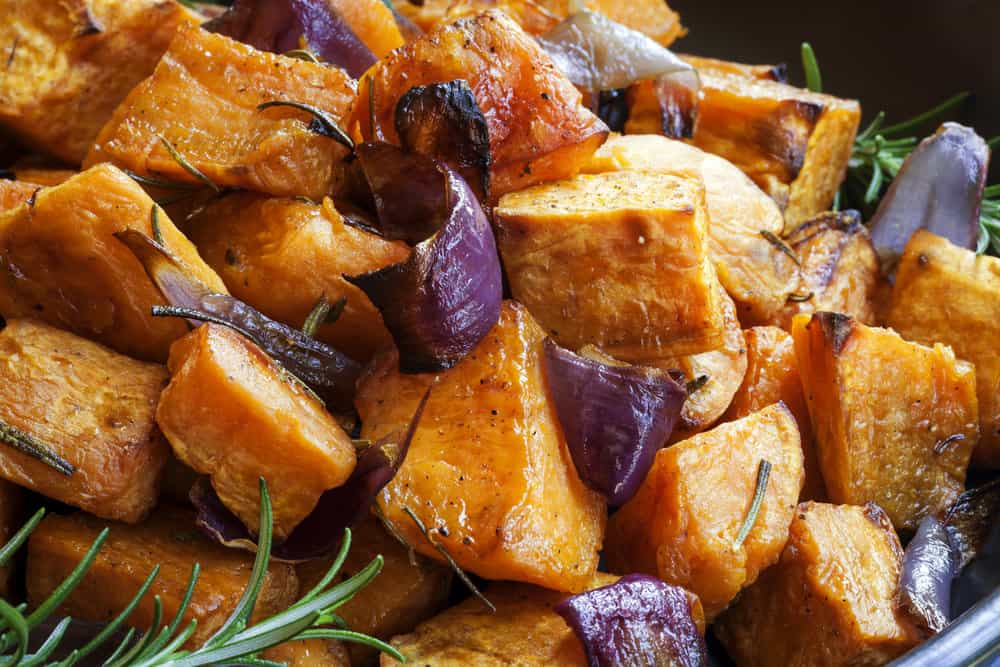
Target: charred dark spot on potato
pixel 86 23
pixel 678 108
pixel 778 73
pixel 785 134
pixel 837 329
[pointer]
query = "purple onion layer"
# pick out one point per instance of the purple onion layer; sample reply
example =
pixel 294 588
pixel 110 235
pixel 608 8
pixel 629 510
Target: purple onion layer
pixel 615 418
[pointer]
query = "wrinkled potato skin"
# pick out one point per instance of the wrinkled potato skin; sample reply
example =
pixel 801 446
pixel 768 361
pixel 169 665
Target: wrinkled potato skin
pixel 280 255
pixel 12 515
pixel 880 406
pixel 682 524
pixel 773 375
pixel 400 597
pixel 945 294
pixel 93 407
pixel 65 79
pixel 538 128
pixel 755 273
pixel 231 412
pixel 206 106
pixel 60 262
pixel 829 602
pixel 507 503
pixel 169 539
pixel 618 260
pixel 372 21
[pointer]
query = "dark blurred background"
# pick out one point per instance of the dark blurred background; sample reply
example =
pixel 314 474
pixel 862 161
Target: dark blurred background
pixel 901 56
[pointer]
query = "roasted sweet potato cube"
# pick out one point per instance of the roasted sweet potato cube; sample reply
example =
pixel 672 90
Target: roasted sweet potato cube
pixel 895 421
pixel 169 539
pixel 401 596
pixel 618 260
pixel 15 193
pixel 538 128
pixel 754 272
pixel 309 653
pixel 830 601
pixel 507 503
pixel 70 63
pixel 60 262
pixel 231 412
pixel 12 516
pixel 839 273
pixel 712 65
pixel 683 523
pixel 372 21
pixel 91 406
pixel 43 175
pixel 281 255
pixel 946 294
pixel 773 375
pixel 205 107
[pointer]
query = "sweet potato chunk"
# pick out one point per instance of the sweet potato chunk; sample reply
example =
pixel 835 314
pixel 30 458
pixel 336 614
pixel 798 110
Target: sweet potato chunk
pixel 281 255
pixel 206 107
pixel 712 65
pixel 60 262
pixel 43 175
pixel 231 412
pixel 169 539
pixel 682 524
pixel 946 294
pixel 507 503
pixel 840 271
pixel 773 375
pixel 895 422
pixel 15 193
pixel 70 63
pixel 401 596
pixel 372 21
pixel 538 128
pixel 754 272
pixel 830 601
pixel 309 653
pixel 12 516
pixel 91 406
pixel 618 260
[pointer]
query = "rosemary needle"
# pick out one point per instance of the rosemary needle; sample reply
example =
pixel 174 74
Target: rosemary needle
pixel 763 472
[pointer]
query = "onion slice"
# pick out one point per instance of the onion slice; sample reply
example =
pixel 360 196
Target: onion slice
pixel 277 26
pixel 329 373
pixel 615 417
pixel 939 188
pixel 598 54
pixel 638 620
pixel 440 302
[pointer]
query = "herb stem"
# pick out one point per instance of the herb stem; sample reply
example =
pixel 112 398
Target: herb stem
pixel 763 472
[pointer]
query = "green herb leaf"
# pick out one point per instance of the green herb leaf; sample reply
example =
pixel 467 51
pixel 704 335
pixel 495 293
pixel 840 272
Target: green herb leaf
pixel 187 166
pixel 35 448
pixel 814 80
pixel 322 313
pixel 323 123
pixel 771 238
pixel 763 472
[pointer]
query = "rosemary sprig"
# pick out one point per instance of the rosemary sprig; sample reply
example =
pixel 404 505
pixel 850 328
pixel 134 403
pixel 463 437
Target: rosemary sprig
pixel 322 123
pixel 154 223
pixel 302 54
pixel 773 239
pixel 187 166
pixel 35 448
pixel 763 472
pixel 814 80
pixel 322 313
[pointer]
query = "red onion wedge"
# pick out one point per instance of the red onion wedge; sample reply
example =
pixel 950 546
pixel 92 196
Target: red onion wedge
pixel 598 54
pixel 320 533
pixel 322 368
pixel 638 620
pixel 939 188
pixel 615 417
pixel 278 25
pixel 440 302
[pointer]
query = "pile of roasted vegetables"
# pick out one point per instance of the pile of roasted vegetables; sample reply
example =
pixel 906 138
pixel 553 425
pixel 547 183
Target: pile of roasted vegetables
pixel 475 332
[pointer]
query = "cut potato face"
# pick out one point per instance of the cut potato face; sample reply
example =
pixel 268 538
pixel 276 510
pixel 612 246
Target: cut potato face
pixel 206 108
pixel 231 412
pixel 168 539
pixel 94 408
pixel 618 260
pixel 682 525
pixel 506 502
pixel 830 601
pixel 538 128
pixel 895 422
pixel 946 294
pixel 281 255
pixel 60 262
pixel 72 63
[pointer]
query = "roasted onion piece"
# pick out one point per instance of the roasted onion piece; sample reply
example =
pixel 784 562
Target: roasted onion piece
pixel 615 417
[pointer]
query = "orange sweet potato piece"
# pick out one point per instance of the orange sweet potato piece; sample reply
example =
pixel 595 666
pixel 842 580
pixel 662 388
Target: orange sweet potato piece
pixel 372 21
pixel 69 64
pixel 618 260
pixel 830 601
pixel 538 128
pixel 43 175
pixel 91 406
pixel 946 294
pixel 60 262
pixel 169 539
pixel 280 255
pixel 233 413
pixel 15 193
pixel 682 524
pixel 895 422
pixel 309 653
pixel 206 107
pixel 713 65
pixel 507 503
